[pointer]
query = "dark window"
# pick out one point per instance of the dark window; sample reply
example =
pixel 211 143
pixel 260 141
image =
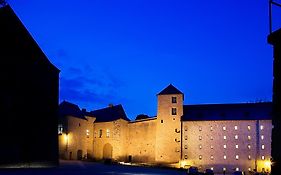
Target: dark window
pixel 79 125
pixel 161 121
pixel 174 111
pixel 174 99
pixel 100 134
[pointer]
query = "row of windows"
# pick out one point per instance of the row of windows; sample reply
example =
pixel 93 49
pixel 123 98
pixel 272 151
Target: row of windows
pixel 107 133
pixel 224 146
pixel 225 137
pixel 225 157
pixel 224 128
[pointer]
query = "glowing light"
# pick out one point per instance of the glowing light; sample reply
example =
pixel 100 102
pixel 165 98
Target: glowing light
pixel 267 164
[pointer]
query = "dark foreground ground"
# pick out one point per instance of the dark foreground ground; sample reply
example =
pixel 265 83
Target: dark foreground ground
pixel 90 168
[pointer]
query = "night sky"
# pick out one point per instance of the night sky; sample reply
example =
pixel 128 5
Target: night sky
pixel 125 52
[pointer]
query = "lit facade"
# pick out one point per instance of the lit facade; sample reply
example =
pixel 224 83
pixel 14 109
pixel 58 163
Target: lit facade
pixel 222 137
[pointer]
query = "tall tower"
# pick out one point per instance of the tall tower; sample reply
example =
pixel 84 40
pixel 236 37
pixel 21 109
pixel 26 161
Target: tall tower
pixel 168 128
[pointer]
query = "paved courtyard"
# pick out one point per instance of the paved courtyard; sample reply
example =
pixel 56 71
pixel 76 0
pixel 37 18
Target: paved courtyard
pixel 90 168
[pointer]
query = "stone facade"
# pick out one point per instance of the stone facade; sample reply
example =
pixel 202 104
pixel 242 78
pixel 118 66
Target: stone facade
pixel 175 136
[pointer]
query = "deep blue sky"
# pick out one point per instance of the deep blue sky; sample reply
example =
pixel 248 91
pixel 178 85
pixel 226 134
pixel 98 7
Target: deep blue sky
pixel 125 52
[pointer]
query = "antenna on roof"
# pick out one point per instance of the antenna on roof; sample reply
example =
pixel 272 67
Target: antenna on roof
pixel 271 2
pixel 3 3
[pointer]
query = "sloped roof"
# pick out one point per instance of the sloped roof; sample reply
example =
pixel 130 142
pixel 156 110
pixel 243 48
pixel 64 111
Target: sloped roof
pixel 70 109
pixel 170 90
pixel 109 114
pixel 16 38
pixel 239 111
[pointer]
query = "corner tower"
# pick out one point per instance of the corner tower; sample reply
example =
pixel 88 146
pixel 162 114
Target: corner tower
pixel 168 128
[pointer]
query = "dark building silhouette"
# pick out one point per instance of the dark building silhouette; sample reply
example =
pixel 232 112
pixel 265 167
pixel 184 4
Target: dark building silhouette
pixel 275 40
pixel 29 97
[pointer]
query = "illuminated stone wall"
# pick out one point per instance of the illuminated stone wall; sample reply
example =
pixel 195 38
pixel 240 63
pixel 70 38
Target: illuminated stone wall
pixel 77 138
pixel 168 134
pixel 204 144
pixel 113 137
pixel 141 140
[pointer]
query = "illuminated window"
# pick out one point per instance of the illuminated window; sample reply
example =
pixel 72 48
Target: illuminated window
pixel 237 169
pixel 224 128
pixel 262 157
pixel 200 137
pixel 235 127
pixel 60 129
pixel 262 127
pixel 100 133
pixel 174 111
pixel 236 146
pixel 237 157
pixel 224 157
pixel 249 146
pixel 211 128
pixel 249 157
pixel 262 146
pixel 87 133
pixel 212 147
pixel 107 133
pixel 249 169
pixel 224 169
pixel 200 146
pixel 212 168
pixel 249 127
pixel 224 137
pixel 249 137
pixel 224 146
pixel 200 157
pixel 200 128
pixel 211 138
pixel 262 137
pixel 236 137
pixel 174 99
pixel 212 157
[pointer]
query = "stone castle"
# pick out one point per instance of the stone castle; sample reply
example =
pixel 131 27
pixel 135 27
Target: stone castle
pixel 222 137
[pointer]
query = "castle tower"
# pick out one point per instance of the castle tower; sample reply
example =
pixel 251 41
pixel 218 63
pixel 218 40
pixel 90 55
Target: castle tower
pixel 168 128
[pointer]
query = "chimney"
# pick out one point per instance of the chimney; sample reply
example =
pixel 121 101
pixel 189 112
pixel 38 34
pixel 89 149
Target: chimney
pixel 110 105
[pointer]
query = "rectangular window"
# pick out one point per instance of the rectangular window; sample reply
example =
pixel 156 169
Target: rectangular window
pixel 200 157
pixel 200 128
pixel 237 157
pixel 224 137
pixel 60 129
pixel 185 137
pixel 224 169
pixel 161 121
pixel 212 147
pixel 249 146
pixel 107 133
pixel 262 137
pixel 262 157
pixel 174 111
pixel 249 157
pixel 200 137
pixel 100 133
pixel 249 137
pixel 237 169
pixel 236 146
pixel 174 99
pixel 249 127
pixel 224 157
pixel 224 146
pixel 211 138
pixel 185 146
pixel 200 146
pixel 212 157
pixel 224 128
pixel 211 128
pixel 262 127
pixel 236 137
pixel 236 127
pixel 262 146
pixel 185 156
pixel 87 133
